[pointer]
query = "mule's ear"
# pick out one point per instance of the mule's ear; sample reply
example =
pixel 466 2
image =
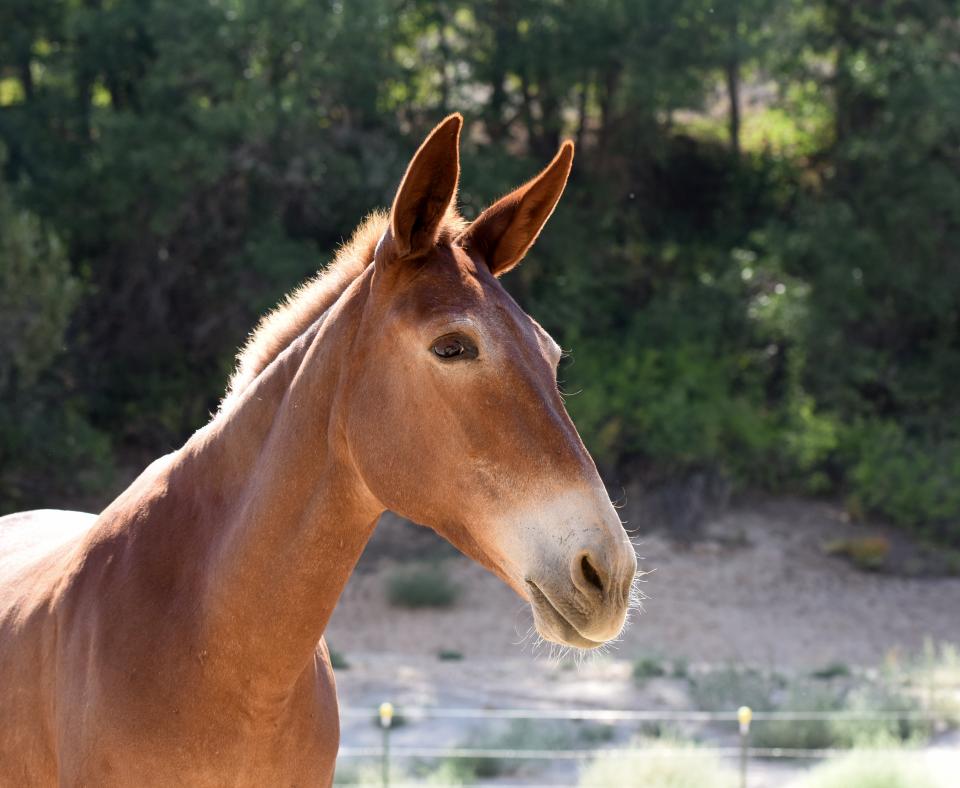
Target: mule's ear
pixel 427 189
pixel 504 232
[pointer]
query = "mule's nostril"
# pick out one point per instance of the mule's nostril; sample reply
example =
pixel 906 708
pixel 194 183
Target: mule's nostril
pixel 590 574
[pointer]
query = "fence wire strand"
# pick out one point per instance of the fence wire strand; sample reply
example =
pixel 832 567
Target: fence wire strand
pixel 614 715
pixel 626 752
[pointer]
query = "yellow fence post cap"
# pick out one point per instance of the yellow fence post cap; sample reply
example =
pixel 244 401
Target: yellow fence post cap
pixel 386 714
pixel 744 715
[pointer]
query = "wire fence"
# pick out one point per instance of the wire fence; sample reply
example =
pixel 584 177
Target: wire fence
pixel 618 752
pixel 622 715
pixel 743 717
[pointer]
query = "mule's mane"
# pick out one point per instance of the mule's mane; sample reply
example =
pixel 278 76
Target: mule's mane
pixel 304 306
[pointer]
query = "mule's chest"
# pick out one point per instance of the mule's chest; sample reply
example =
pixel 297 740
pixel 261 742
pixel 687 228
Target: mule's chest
pixel 207 745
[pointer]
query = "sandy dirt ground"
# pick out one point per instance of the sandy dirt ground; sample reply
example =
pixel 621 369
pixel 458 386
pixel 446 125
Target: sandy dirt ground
pixel 757 590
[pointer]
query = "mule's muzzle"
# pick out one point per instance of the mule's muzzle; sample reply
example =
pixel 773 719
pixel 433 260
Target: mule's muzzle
pixel 584 604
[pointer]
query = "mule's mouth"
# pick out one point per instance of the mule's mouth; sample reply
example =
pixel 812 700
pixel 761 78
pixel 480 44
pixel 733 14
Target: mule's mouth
pixel 558 627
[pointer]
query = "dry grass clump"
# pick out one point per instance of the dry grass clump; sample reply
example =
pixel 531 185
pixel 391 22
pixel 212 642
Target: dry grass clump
pixel 884 765
pixel 659 763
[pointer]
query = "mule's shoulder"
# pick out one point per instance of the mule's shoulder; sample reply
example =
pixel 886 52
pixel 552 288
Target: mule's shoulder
pixel 27 538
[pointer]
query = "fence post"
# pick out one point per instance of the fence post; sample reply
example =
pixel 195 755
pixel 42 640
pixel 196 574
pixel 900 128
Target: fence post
pixel 744 715
pixel 386 718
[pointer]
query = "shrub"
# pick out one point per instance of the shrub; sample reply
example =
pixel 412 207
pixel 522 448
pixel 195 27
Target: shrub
pixel 935 676
pixel 866 768
pixel 729 688
pixel 526 735
pixel 659 764
pixel 338 661
pixel 833 670
pixel 647 668
pixel 360 774
pixel 422 585
pixel 866 552
pixel 371 774
pixel 915 481
pixel 879 697
pixel 802 734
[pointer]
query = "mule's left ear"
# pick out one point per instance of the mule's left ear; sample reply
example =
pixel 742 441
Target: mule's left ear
pixel 427 189
pixel 504 232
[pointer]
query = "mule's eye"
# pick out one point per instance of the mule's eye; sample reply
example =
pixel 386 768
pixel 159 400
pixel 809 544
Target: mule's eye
pixel 453 346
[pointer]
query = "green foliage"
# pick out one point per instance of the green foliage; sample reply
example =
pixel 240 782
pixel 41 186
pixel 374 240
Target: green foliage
pixel 864 699
pixel 764 287
pixel 914 479
pixel 877 697
pixel 729 688
pixel 524 735
pixel 43 436
pixel 804 734
pixel 832 670
pixel 934 676
pixel 422 585
pixel 662 764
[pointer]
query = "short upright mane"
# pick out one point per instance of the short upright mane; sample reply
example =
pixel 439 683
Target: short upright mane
pixel 301 308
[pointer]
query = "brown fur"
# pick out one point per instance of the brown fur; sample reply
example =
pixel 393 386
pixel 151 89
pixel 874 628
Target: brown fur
pixel 177 637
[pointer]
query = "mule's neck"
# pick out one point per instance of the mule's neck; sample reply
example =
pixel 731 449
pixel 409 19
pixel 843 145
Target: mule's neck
pixel 295 514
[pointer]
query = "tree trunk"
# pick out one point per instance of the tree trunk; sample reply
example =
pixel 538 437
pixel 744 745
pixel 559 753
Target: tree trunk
pixel 733 93
pixel 582 111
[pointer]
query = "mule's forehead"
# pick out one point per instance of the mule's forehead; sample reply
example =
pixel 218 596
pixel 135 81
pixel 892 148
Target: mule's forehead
pixel 453 288
pixel 449 284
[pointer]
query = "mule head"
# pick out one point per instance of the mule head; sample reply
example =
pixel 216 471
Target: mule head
pixel 455 417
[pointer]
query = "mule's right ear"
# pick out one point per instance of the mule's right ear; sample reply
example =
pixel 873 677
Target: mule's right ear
pixel 427 190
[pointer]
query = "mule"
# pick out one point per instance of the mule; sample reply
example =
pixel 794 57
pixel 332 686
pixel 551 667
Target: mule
pixel 177 638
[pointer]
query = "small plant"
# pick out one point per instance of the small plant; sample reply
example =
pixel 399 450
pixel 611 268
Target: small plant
pixel 338 661
pixel 647 668
pixel 832 670
pixel 729 688
pixel 595 733
pixel 518 735
pixel 865 552
pixel 951 560
pixel 670 764
pixel 366 774
pixel 422 585
pixel 449 655
pixel 681 669
pixel 802 734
